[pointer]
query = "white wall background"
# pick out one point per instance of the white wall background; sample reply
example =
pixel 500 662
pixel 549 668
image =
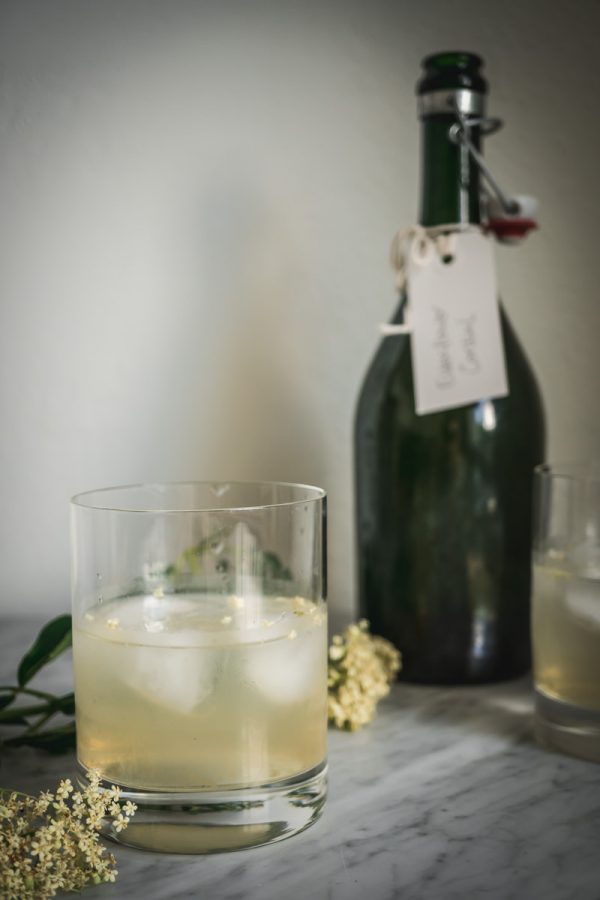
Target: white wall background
pixel 196 205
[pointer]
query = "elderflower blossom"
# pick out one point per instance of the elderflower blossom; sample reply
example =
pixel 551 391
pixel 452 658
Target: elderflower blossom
pixel 361 668
pixel 50 843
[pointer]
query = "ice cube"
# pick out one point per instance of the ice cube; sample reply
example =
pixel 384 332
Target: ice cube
pixel 285 670
pixel 180 677
pixel 583 600
pixel 585 558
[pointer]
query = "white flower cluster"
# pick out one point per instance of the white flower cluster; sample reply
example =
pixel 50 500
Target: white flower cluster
pixel 361 669
pixel 50 843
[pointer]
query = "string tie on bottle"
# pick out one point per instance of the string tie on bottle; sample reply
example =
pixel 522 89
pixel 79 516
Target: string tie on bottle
pixel 420 244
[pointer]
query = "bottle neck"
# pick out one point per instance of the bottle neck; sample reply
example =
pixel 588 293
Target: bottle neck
pixel 449 177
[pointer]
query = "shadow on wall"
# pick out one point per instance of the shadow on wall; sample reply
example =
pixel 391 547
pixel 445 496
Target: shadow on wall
pixel 245 269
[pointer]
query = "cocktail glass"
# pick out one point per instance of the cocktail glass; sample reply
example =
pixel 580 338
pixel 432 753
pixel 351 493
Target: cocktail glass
pixel 566 608
pixel 200 658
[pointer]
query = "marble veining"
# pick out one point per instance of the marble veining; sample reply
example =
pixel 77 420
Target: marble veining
pixel 445 796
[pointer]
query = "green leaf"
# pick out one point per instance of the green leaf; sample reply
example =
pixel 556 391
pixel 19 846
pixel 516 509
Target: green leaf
pixel 6 698
pixel 272 567
pixel 66 704
pixel 52 640
pixel 55 741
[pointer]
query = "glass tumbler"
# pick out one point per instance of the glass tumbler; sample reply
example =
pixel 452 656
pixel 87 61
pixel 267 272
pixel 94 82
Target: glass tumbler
pixel 566 608
pixel 200 658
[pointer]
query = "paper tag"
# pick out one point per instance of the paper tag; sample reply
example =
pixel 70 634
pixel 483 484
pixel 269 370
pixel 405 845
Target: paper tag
pixel 457 351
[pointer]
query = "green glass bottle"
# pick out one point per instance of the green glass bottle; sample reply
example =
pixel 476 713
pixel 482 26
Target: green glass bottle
pixel 443 500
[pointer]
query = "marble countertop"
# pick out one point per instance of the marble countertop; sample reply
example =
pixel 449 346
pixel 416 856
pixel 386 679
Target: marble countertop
pixel 445 795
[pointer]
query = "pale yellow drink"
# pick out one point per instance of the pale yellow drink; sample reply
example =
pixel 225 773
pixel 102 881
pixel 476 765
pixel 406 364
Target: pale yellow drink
pixel 192 691
pixel 566 629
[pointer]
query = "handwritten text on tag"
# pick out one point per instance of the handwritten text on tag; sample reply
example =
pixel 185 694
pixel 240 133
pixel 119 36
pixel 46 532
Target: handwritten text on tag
pixel 456 342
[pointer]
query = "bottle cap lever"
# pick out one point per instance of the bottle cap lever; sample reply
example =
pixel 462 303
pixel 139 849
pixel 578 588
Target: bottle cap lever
pixel 459 134
pixel 510 218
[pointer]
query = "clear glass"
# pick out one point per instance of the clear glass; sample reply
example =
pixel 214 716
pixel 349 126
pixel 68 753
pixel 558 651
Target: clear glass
pixel 566 608
pixel 200 658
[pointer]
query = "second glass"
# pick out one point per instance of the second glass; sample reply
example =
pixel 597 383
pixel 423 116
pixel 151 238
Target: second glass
pixel 200 658
pixel 566 608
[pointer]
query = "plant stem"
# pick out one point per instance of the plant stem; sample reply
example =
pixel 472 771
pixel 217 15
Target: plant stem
pixel 9 791
pixel 52 706
pixel 33 729
pixel 17 689
pixel 17 713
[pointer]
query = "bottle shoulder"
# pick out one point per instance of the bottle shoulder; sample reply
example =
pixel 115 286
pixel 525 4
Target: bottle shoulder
pixel 386 399
pixel 387 357
pixel 388 371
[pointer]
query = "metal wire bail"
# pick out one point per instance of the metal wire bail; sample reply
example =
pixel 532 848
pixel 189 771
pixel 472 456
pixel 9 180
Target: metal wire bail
pixel 458 133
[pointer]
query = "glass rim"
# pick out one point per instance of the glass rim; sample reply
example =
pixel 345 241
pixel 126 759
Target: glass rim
pixel 82 499
pixel 569 471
